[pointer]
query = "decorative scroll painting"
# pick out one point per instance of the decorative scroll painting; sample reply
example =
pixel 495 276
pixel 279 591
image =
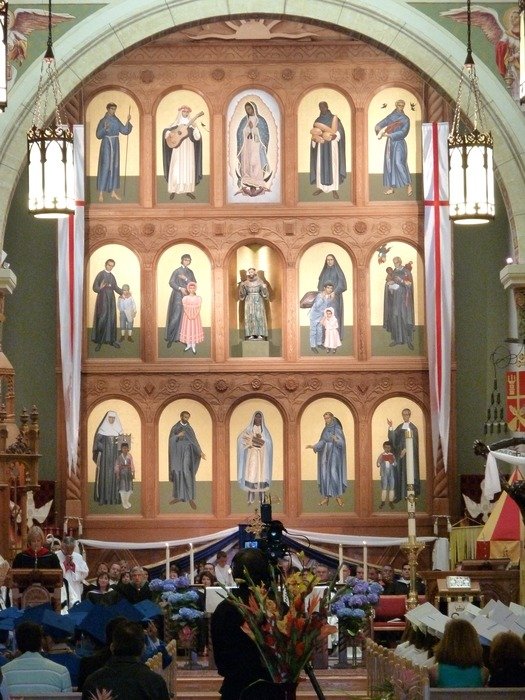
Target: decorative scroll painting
pixel 327 457
pixel 324 128
pixel 185 438
pixel 112 149
pixel 183 149
pixel 254 149
pixel 255 302
pixel 113 303
pixel 184 303
pixel 256 457
pixel 114 459
pixel 397 314
pixel 388 463
pixel 394 146
pixel 326 302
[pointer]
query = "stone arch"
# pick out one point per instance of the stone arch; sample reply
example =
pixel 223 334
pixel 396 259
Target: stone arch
pixel 399 29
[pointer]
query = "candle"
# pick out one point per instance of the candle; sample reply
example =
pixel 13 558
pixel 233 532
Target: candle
pixel 411 527
pixel 409 448
pixel 167 559
pixel 192 563
pixel 365 561
pixel 341 575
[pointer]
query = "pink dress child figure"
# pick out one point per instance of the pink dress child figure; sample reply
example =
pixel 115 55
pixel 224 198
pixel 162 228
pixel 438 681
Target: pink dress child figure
pixel 191 331
pixel 332 341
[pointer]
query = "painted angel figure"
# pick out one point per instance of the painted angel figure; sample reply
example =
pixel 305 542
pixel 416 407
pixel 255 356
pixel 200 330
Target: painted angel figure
pixel 20 24
pixel 504 37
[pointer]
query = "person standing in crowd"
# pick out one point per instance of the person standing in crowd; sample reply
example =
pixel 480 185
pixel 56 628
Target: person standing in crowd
pixel 394 128
pixel 104 331
pixel 108 130
pixel 75 572
pixel 179 280
pixel 327 153
pixel 254 293
pixel 182 154
pixel 223 572
pixel 397 438
pixel 255 458
pixel 331 460
pixel 236 655
pixel 36 555
pixel 184 457
pixel 105 452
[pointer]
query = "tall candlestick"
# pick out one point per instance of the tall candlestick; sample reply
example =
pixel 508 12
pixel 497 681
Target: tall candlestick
pixel 365 561
pixel 167 559
pixel 192 563
pixel 409 447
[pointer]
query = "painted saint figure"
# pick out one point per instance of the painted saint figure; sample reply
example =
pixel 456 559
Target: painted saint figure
pixel 191 331
pixel 254 292
pixel 333 274
pixel 255 458
pixel 105 286
pixel 182 154
pixel 184 457
pixel 179 280
pixel 106 450
pixel 398 306
pixel 395 127
pixel 108 130
pixel 332 341
pixel 397 438
pixel 327 153
pixel 253 168
pixel 322 301
pixel 331 460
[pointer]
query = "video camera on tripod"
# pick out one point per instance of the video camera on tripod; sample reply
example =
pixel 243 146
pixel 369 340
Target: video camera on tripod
pixel 271 542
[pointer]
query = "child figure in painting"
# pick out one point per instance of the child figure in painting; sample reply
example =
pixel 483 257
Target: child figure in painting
pixel 386 463
pixel 332 341
pixel 191 331
pixel 128 310
pixel 125 473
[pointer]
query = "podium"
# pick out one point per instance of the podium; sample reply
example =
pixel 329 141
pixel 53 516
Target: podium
pixel 454 592
pixel 30 587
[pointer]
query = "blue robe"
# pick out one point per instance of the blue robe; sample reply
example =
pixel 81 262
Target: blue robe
pixel 395 166
pixel 108 130
pixel 335 275
pixel 331 460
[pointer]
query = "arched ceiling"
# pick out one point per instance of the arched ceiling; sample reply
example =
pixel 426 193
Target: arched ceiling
pixel 396 26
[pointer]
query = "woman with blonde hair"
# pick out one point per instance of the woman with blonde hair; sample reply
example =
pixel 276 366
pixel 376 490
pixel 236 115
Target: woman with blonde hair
pixel 459 658
pixel 36 555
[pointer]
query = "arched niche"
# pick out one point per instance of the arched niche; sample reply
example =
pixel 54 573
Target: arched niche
pixel 182 146
pixel 172 276
pixel 112 154
pixel 316 484
pixel 103 309
pixel 394 145
pixel 253 123
pixel 397 300
pixel 256 471
pixel 314 298
pixel 267 264
pixel 324 161
pixel 391 410
pixel 199 483
pixel 102 448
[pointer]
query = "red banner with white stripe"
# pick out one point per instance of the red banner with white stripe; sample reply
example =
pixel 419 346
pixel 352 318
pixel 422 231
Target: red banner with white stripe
pixel 70 293
pixel 438 281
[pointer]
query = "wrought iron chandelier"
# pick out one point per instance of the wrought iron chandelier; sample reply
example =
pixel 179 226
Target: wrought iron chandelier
pixel 3 55
pixel 471 176
pixel 50 147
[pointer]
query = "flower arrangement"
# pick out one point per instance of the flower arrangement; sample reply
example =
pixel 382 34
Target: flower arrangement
pixel 285 622
pixel 354 603
pixel 181 604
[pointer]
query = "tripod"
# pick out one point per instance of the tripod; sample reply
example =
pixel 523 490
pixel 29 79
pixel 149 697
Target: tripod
pixel 313 680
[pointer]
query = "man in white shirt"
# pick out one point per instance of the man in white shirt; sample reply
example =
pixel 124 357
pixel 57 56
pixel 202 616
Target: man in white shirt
pixel 75 572
pixel 223 572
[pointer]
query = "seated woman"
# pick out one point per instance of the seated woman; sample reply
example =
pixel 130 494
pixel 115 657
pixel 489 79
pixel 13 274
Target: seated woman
pixel 36 555
pixel 102 593
pixel 459 658
pixel 507 661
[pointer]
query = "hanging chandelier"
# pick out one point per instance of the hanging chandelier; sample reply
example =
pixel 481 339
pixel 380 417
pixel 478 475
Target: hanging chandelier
pixel 3 55
pixel 471 176
pixel 50 147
